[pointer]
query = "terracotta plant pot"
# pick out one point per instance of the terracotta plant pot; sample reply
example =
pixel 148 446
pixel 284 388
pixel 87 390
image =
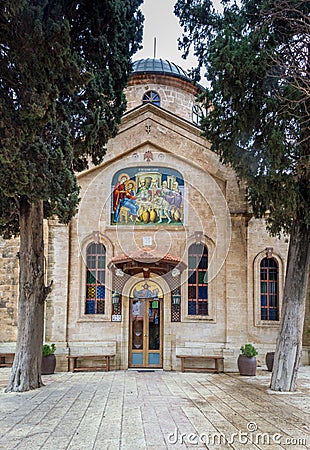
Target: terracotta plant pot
pixel 269 361
pixel 48 365
pixel 246 365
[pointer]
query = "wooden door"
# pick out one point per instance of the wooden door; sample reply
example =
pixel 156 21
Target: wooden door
pixel 145 333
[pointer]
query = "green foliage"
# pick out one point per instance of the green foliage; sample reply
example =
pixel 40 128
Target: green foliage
pixel 63 67
pixel 256 59
pixel 248 350
pixel 48 349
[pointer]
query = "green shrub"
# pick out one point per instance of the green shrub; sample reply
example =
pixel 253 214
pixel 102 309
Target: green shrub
pixel 249 350
pixel 48 349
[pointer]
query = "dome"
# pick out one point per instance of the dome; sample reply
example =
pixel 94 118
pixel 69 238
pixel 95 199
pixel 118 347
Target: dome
pixel 161 67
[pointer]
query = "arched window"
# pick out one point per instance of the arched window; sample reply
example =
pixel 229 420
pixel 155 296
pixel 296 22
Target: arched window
pixel 198 280
pixel 269 289
pixel 151 97
pixel 197 115
pixel 95 278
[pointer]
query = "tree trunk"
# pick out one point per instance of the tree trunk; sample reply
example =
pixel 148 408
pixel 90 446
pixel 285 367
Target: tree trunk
pixel 26 370
pixel 289 341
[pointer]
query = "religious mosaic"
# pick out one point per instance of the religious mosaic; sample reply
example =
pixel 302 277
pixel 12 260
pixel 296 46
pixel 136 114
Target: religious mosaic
pixel 147 197
pixel 147 289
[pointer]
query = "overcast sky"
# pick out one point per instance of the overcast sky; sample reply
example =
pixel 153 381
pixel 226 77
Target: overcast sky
pixel 160 22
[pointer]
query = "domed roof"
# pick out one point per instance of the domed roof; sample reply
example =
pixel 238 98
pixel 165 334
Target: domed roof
pixel 159 66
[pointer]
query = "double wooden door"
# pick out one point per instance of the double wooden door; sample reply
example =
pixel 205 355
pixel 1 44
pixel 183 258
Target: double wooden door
pixel 145 333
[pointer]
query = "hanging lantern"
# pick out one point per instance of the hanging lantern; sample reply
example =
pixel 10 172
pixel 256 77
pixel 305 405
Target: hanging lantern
pixel 176 298
pixel 115 298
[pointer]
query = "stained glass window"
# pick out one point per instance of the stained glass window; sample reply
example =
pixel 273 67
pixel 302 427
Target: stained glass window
pixel 269 289
pixel 95 278
pixel 198 280
pixel 151 97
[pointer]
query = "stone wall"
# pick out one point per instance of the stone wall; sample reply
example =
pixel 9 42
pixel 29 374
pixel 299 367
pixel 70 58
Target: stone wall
pixel 176 96
pixel 8 293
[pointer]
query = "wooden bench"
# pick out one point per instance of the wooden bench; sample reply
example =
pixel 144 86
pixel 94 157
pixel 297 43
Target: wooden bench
pixel 216 369
pixel 3 360
pixel 73 365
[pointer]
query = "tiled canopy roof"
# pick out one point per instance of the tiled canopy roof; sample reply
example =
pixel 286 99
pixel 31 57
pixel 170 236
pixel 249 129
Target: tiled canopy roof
pixel 147 255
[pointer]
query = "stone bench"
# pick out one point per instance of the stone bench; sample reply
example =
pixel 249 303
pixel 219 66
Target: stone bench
pixel 3 359
pixel 218 360
pixel 104 365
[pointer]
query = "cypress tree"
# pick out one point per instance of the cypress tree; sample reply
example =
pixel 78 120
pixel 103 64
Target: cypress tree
pixel 256 57
pixel 63 67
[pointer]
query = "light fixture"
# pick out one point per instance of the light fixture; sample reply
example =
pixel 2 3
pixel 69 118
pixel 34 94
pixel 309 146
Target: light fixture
pixel 115 298
pixel 176 298
pixel 175 272
pixel 119 273
pixel 198 237
pixel 146 273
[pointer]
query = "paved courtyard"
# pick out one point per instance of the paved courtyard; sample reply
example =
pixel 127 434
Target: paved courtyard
pixel 153 411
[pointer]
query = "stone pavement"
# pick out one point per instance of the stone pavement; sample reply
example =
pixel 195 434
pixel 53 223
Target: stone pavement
pixel 155 410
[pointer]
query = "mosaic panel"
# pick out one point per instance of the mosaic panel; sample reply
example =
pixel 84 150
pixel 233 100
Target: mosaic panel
pixel 147 197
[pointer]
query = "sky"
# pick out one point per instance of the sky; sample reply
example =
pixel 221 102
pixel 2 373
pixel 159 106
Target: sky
pixel 161 23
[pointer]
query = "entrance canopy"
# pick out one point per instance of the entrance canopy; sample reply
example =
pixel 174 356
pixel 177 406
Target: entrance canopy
pixel 147 260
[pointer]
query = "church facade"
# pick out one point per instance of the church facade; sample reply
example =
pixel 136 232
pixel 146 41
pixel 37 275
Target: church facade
pixel 164 257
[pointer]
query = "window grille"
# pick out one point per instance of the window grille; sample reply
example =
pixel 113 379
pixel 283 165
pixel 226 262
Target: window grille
pixel 175 309
pixel 198 280
pixel 269 289
pixel 151 97
pixel 95 279
pixel 197 115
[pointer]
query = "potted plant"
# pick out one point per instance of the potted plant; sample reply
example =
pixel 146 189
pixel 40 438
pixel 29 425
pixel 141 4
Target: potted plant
pixel 247 360
pixel 48 359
